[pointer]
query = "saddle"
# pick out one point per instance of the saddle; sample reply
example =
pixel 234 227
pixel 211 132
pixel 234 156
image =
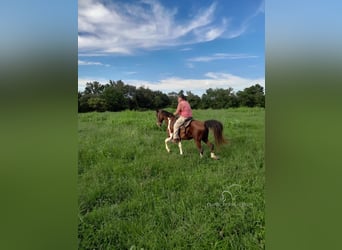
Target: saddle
pixel 183 129
pixel 186 122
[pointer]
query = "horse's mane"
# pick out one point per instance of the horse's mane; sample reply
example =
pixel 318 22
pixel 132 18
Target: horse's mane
pixel 168 114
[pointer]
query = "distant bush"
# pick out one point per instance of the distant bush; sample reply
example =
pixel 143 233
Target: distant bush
pixel 118 96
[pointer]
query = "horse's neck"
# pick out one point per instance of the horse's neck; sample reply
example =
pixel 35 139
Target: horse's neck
pixel 173 120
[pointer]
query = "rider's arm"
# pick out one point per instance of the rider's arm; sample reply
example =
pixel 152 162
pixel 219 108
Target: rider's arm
pixel 178 109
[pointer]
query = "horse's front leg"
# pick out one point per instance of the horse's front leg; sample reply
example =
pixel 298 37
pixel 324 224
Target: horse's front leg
pixel 180 147
pixel 166 141
pixel 170 135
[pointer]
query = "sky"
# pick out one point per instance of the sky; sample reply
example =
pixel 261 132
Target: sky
pixel 172 45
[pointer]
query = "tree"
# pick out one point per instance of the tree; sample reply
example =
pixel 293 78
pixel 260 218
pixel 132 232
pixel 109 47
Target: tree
pixel 94 88
pixel 194 100
pixel 119 96
pixel 160 100
pixel 130 96
pixel 97 104
pixel 173 99
pixel 144 98
pixel 83 105
pixel 79 96
pixel 219 98
pixel 207 98
pixel 114 99
pixel 252 96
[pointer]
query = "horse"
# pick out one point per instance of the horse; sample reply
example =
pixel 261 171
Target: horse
pixel 197 130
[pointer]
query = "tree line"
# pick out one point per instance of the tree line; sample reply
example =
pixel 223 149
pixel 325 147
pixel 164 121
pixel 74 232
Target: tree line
pixel 118 96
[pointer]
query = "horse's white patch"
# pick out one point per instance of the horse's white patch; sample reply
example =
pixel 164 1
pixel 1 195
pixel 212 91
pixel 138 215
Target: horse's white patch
pixel 212 155
pixel 166 146
pixel 180 148
pixel 169 127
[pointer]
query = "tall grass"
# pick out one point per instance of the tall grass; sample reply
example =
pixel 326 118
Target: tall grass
pixel 133 194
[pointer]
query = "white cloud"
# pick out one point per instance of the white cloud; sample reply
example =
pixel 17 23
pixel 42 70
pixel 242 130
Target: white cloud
pixel 242 28
pixel 199 86
pixel 130 72
pixel 83 81
pixel 220 56
pixel 261 8
pixel 190 65
pixel 122 28
pixel 87 63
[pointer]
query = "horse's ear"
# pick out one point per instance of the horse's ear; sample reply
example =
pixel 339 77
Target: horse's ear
pixel 157 110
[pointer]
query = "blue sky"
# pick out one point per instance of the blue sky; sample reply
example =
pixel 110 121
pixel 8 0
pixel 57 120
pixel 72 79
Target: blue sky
pixel 174 45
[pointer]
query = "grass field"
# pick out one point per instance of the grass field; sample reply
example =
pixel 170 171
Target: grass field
pixel 135 195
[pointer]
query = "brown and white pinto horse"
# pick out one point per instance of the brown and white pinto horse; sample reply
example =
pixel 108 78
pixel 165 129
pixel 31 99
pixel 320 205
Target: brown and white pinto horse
pixel 197 130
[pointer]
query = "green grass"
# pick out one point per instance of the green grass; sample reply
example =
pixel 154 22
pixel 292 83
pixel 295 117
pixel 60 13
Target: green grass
pixel 134 195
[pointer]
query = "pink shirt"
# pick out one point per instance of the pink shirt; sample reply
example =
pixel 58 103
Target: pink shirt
pixel 184 109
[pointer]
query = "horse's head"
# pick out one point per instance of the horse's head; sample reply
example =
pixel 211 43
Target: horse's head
pixel 162 115
pixel 160 118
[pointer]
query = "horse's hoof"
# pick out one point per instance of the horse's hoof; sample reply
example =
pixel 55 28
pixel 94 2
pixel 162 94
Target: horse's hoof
pixel 213 156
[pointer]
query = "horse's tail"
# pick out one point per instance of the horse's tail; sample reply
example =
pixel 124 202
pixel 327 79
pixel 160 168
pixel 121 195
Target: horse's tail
pixel 217 128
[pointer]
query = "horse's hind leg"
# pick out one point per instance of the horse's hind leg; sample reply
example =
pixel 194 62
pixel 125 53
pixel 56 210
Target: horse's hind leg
pixel 199 146
pixel 211 146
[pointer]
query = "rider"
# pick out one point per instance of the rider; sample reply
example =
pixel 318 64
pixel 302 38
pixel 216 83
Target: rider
pixel 184 111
